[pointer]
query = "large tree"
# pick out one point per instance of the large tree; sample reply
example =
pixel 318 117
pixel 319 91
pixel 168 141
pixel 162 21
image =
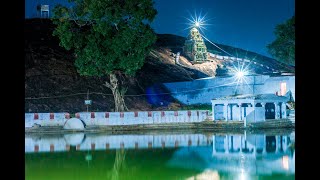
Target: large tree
pixel 283 48
pixel 110 38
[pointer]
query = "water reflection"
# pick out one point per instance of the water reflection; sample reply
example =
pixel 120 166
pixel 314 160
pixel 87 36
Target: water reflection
pixel 173 155
pixel 253 154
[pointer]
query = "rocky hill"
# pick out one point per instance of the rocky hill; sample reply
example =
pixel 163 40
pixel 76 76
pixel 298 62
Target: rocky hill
pixel 52 83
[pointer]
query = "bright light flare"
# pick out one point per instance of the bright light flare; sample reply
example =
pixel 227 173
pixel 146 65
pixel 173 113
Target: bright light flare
pixel 240 74
pixel 197 21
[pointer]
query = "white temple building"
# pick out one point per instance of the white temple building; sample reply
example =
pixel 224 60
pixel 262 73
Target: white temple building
pixel 250 108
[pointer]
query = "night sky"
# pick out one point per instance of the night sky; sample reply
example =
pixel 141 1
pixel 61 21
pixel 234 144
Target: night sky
pixel 246 24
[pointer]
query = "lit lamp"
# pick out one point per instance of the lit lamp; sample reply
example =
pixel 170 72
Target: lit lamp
pixel 240 74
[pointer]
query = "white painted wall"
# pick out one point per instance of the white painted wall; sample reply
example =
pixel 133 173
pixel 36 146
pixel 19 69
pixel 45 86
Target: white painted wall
pixel 256 115
pixel 201 91
pixel 156 117
pixel 250 115
pixel 218 112
pixel 46 119
pixel 119 118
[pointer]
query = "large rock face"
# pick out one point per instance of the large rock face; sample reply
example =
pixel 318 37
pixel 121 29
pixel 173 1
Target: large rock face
pixel 74 123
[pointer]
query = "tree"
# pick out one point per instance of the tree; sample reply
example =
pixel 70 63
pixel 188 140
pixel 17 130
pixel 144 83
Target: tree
pixel 110 38
pixel 283 48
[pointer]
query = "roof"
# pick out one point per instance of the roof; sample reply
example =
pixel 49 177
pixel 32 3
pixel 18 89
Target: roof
pixel 254 97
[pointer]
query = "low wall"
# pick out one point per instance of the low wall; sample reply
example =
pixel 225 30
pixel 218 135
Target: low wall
pixel 117 118
pixel 46 119
pixel 141 117
pixel 239 59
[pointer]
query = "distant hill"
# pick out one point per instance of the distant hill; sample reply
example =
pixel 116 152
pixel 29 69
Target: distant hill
pixel 50 73
pixel 176 43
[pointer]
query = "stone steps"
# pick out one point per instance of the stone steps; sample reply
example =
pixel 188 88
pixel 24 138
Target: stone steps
pixel 272 124
pixel 205 125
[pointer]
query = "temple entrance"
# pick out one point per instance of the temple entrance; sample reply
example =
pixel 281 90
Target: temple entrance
pixel 270 111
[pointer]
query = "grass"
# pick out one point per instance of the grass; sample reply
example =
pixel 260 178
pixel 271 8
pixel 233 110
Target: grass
pixel 197 107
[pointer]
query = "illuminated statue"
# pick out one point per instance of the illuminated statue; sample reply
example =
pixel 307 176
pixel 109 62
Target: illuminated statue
pixel 194 47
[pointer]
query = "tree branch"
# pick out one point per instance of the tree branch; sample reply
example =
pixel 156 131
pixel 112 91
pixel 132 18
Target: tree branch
pixel 108 85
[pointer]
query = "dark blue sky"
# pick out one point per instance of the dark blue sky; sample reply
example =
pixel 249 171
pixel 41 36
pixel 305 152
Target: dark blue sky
pixel 247 24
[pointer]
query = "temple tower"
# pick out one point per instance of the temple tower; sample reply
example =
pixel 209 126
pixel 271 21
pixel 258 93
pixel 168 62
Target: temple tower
pixel 194 47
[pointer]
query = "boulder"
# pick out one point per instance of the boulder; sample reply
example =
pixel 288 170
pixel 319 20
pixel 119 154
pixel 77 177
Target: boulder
pixel 74 123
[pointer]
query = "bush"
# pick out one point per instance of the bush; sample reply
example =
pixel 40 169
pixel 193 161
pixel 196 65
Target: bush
pixel 197 107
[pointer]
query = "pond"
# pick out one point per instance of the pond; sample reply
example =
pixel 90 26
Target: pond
pixel 160 155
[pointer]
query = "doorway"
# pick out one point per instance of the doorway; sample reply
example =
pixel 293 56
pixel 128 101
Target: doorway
pixel 270 111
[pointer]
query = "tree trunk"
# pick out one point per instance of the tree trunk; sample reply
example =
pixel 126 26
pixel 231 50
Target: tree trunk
pixel 118 94
pixel 119 164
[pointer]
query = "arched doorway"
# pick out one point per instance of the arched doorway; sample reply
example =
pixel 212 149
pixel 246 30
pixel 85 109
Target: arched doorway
pixel 270 111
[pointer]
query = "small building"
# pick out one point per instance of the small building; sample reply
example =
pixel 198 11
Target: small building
pixel 43 8
pixel 250 108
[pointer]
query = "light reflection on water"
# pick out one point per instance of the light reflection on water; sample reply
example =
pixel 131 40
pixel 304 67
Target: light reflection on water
pixel 160 156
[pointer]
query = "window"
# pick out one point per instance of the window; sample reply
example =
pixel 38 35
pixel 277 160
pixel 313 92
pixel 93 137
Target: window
pixel 283 88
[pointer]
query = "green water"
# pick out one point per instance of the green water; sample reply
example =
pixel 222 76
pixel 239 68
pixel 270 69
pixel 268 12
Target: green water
pixel 143 164
pixel 176 163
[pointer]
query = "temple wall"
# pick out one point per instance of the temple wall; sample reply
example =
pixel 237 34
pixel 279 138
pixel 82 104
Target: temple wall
pixel 201 91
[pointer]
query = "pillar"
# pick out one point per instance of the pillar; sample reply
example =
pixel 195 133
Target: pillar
pixel 213 145
pixel 277 110
pixel 226 144
pixel 264 151
pixel 240 111
pixel 240 144
pixel 229 112
pixel 263 104
pixel 284 110
pixel 213 105
pixel 225 111
pixel 277 144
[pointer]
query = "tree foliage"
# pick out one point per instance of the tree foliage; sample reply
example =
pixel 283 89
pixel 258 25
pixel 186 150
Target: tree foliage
pixel 107 36
pixel 283 48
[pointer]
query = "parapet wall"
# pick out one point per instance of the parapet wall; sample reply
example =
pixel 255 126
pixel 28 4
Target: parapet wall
pixel 117 118
pixel 202 91
pixel 46 119
pixel 216 56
